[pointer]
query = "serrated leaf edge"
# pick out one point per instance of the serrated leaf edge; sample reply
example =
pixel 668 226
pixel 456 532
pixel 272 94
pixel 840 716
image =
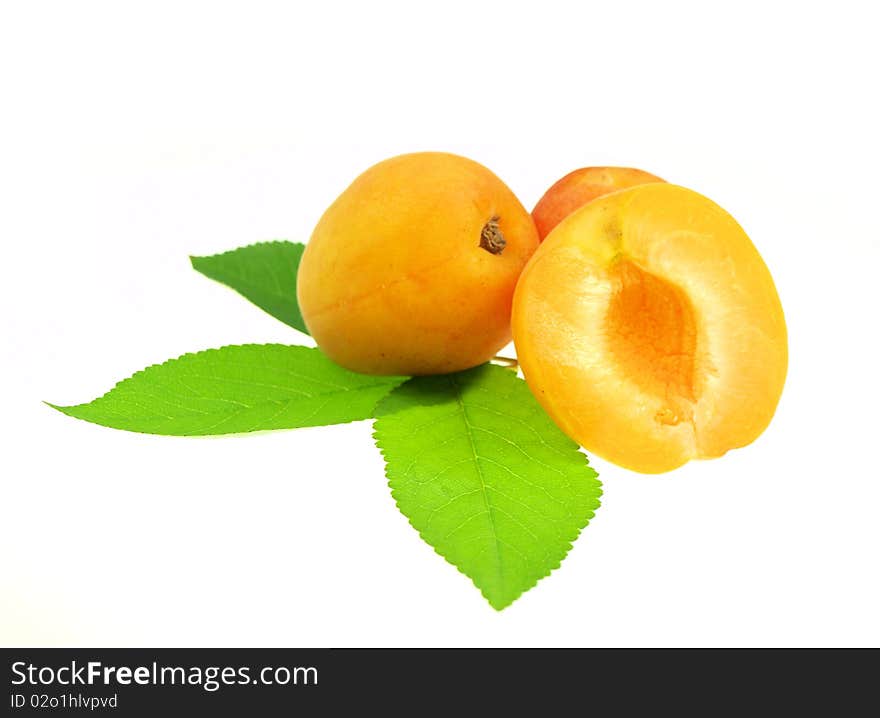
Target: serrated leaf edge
pixel 66 410
pixel 262 243
pixel 557 562
pixel 194 257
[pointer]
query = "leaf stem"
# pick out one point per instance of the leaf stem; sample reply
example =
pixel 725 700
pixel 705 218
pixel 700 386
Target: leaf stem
pixel 506 362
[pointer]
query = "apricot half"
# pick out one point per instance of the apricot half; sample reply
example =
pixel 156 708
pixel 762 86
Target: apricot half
pixel 580 187
pixel 412 269
pixel 649 328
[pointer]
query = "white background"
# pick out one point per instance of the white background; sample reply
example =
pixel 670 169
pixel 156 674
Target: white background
pixel 133 135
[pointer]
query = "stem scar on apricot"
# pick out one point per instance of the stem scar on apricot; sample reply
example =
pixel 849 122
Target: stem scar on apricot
pixel 491 238
pixel 400 242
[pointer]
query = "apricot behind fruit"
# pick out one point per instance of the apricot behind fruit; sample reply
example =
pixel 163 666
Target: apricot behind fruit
pixel 412 269
pixel 580 187
pixel 649 328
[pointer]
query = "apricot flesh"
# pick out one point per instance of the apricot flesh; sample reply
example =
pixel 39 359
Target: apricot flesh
pixel 650 329
pixel 580 187
pixel 412 269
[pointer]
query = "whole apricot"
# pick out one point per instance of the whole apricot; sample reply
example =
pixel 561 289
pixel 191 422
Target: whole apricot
pixel 412 269
pixel 581 186
pixel 649 328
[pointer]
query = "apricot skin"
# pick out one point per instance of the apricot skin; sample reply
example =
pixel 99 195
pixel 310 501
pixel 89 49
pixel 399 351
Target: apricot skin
pixel 394 279
pixel 580 187
pixel 649 328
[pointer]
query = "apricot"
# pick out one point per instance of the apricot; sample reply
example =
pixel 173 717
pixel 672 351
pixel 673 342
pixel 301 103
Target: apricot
pixel 412 269
pixel 580 187
pixel 649 328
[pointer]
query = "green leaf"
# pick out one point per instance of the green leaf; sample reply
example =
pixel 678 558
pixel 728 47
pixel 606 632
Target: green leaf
pixel 237 389
pixel 485 476
pixel 264 273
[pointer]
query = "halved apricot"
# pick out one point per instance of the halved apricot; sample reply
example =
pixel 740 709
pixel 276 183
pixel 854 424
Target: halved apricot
pixel 649 328
pixel 412 269
pixel 580 187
